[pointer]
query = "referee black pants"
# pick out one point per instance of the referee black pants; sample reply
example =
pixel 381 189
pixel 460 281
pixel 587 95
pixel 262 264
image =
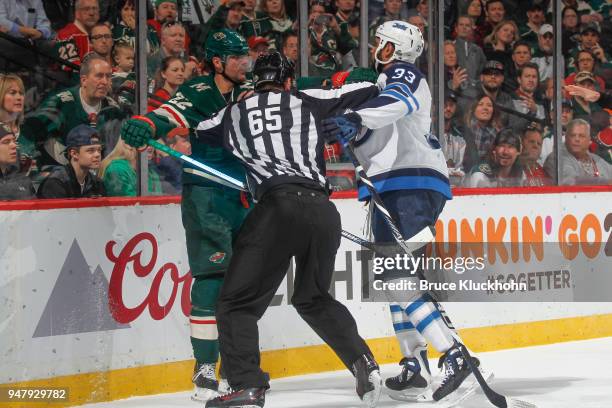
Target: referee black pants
pixel 290 220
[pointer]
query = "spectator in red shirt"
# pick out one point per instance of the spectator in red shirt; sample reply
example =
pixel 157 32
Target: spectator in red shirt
pixel 532 149
pixel 73 40
pixel 170 76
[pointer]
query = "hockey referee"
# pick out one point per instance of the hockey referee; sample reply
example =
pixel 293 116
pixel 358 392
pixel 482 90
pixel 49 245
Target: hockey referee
pixel 276 134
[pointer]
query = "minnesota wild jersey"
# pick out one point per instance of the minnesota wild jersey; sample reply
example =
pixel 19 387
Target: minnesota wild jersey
pixel 48 126
pixel 195 101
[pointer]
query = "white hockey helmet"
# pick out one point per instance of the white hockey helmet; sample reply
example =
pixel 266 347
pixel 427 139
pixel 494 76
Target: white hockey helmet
pixel 406 38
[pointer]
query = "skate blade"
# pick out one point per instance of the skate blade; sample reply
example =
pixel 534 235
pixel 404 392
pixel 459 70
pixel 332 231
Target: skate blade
pixel 454 399
pixel 370 399
pixel 424 396
pixel 203 394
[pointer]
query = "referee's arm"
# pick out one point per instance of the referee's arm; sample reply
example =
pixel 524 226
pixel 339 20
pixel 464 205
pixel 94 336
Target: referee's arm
pixel 211 131
pixel 331 102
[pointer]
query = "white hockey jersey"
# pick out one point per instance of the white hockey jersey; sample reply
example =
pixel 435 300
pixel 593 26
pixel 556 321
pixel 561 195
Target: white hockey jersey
pixel 398 152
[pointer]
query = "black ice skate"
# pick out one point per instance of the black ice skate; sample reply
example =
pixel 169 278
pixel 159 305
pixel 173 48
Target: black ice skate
pixel 205 382
pixel 369 382
pixel 246 398
pixel 455 372
pixel 414 382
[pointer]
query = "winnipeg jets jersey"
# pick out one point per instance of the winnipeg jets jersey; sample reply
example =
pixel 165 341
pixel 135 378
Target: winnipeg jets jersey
pixel 398 152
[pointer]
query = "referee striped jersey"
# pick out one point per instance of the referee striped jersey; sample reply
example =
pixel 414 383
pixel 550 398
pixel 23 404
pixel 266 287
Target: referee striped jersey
pixel 277 134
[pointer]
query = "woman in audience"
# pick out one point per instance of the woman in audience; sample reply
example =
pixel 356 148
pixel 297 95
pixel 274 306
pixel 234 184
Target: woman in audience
pixel 482 123
pixel 168 78
pixel 475 10
pixel 498 44
pixel 12 102
pixel 281 23
pixel 570 29
pixel 118 172
pixel 124 28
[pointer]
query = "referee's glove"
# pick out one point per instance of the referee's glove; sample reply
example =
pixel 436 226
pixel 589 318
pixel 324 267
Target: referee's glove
pixel 343 128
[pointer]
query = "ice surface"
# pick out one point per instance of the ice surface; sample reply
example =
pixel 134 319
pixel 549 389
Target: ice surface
pixel 572 375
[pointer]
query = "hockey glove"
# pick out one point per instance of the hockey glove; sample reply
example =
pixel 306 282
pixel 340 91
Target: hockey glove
pixel 359 74
pixel 343 128
pixel 137 131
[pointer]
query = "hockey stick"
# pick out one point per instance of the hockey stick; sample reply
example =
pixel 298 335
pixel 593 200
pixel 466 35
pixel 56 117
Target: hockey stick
pixel 496 399
pixel 208 172
pixel 216 176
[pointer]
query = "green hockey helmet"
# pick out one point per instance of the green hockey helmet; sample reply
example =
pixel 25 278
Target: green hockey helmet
pixel 224 43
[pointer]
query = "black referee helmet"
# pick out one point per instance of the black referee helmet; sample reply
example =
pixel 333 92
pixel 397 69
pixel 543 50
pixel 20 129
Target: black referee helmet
pixel 272 68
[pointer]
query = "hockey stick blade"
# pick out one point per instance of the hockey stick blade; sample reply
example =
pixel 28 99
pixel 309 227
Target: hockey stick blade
pixel 494 398
pixel 423 237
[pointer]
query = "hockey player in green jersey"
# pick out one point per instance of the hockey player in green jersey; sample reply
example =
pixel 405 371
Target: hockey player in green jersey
pixel 212 214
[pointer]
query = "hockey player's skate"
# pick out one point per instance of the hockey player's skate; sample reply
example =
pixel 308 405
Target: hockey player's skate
pixel 369 381
pixel 205 383
pixel 456 370
pixel 246 398
pixel 414 382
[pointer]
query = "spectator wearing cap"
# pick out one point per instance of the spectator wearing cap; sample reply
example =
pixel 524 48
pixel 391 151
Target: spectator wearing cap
pixel 583 109
pixel 470 57
pixel 452 143
pixel 532 141
pixel 490 84
pixel 589 41
pixel 543 54
pixel 76 179
pixel 501 168
pixel 498 44
pixel 72 41
pixel 585 61
pixel 521 55
pixel 525 100
pixel 257 46
pixel 535 19
pixel 14 184
pixel 578 165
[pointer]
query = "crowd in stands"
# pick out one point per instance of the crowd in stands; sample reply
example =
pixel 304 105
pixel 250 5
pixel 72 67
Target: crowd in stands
pixel 68 80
